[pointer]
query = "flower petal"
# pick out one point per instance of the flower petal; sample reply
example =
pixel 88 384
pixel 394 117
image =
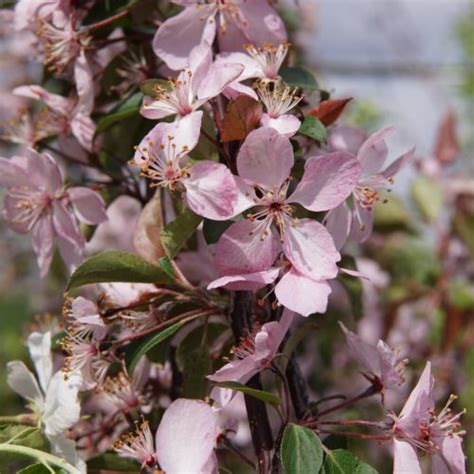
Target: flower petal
pixel 186 436
pixel 302 294
pixel 362 223
pixel 83 128
pixel 451 459
pixel 241 249
pixel 286 125
pixel 12 173
pixel 43 171
pixel 310 248
pixel 39 346
pixel 399 163
pixel 218 78
pixel 84 80
pixel 265 158
pixel 373 152
pixel 43 242
pixel 348 139
pixel 237 370
pixel 211 190
pixel 23 382
pixel 405 459
pixel 55 102
pixel 338 223
pixel 88 205
pixel 327 181
pixel 248 281
pixel 178 35
pixel 62 407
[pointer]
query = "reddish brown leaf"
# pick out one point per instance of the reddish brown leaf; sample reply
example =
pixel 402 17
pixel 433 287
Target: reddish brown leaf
pixel 447 143
pixel 329 110
pixel 241 117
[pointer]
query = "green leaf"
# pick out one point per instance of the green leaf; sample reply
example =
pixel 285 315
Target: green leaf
pixel 299 77
pixel 214 229
pixel 116 265
pixel 266 397
pixel 313 128
pixel 140 347
pixel 390 214
pixel 341 461
pixel 428 197
pixel 112 462
pixel 166 266
pixel 301 450
pixel 175 234
pixel 35 469
pixel 125 109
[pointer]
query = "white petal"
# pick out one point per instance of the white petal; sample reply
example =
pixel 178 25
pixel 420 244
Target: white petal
pixel 39 345
pixel 23 382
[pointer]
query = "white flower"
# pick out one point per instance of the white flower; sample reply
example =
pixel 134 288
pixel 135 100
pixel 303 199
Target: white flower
pixel 52 397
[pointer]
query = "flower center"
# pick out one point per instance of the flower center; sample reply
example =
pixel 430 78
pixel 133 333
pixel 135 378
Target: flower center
pixel 269 57
pixel 28 205
pixel 138 445
pixel 162 164
pixel 178 97
pixel 278 100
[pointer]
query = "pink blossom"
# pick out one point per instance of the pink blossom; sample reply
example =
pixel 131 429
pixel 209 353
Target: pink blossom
pixel 371 153
pixel 236 22
pixel 262 63
pixel 294 291
pixel 255 352
pixel 418 429
pixel 384 366
pixel 36 202
pixel 279 101
pixel 209 187
pixel 68 117
pixel 184 440
pixel 84 318
pixel 193 87
pixel 28 13
pixel 251 245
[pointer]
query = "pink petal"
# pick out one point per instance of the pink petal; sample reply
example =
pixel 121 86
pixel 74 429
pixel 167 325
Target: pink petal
pixel 249 281
pixel 362 223
pixel 265 158
pixel 241 250
pixel 310 248
pixel 405 459
pixel 399 163
pixel 43 171
pixel 58 103
pixel 199 65
pixel 178 35
pixel 327 181
pixel 234 89
pixel 237 370
pixel 302 294
pixel 338 223
pixel 185 438
pixel 373 152
pixel 218 78
pixel 65 226
pixel 84 80
pixel 348 139
pixel 211 190
pixel 155 109
pixel 12 174
pixel 286 125
pixel 419 402
pixel 186 131
pixel 451 459
pixel 43 240
pixel 71 254
pixel 252 68
pixel 83 128
pixel 88 205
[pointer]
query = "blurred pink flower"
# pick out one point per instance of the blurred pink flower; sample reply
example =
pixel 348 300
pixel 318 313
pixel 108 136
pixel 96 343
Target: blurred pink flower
pixel 418 429
pixel 28 13
pixel 69 116
pixel 384 366
pixel 184 440
pixel 210 189
pixel 37 203
pixel 84 318
pixel 264 164
pixel 255 352
pixel 371 153
pixel 236 22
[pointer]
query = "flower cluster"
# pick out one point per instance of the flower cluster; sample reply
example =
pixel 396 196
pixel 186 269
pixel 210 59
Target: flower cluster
pixel 244 196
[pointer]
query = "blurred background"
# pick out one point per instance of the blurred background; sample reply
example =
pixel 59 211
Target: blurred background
pixel 409 63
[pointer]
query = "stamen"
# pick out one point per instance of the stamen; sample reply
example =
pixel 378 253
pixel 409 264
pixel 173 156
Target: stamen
pixel 269 57
pixel 278 99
